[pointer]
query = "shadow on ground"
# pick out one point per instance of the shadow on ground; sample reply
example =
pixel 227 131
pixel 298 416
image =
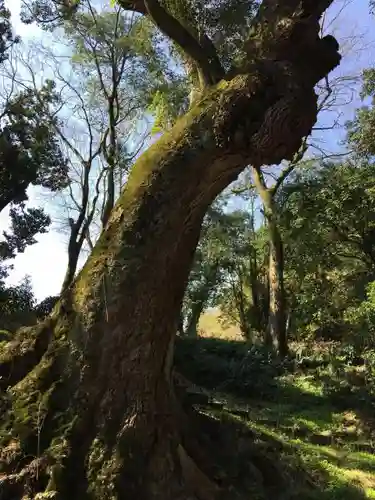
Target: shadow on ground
pixel 297 434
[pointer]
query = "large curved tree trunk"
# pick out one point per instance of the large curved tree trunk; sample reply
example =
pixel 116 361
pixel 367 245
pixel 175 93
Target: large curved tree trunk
pixel 98 400
pixel 87 407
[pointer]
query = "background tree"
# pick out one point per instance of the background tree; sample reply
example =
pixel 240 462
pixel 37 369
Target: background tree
pixel 361 129
pixel 29 150
pixel 242 297
pixel 327 220
pixel 16 305
pixel 331 96
pixel 106 85
pixel 205 274
pixel 29 154
pixel 335 92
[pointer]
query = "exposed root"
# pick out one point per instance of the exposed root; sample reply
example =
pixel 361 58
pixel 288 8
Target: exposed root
pixel 200 484
pixel 55 441
pixel 26 482
pixel 144 463
pixel 23 353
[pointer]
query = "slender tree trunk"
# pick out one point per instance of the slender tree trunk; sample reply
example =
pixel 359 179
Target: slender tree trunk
pixel 245 327
pixel 289 325
pixel 195 314
pixel 78 229
pixel 74 249
pixel 259 296
pixel 111 159
pixel 242 307
pixel 180 326
pixel 277 307
pixel 276 330
pixel 240 302
pixel 76 240
pixel 201 299
pixel 87 406
pixel 73 256
pixel 110 199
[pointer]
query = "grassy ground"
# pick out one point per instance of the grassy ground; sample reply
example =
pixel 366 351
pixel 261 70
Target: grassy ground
pixel 317 450
pixel 304 433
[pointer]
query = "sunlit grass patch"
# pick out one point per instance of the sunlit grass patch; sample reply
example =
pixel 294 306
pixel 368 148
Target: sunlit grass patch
pixel 308 434
pixel 306 384
pixel 361 460
pixel 370 493
pixel 314 439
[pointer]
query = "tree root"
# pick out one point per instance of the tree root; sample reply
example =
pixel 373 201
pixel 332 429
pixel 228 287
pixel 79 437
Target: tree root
pixel 200 484
pixel 25 482
pixel 23 353
pixel 150 448
pixel 171 470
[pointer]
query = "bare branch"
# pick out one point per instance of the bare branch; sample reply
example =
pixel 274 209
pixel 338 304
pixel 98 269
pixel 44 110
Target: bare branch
pixel 205 56
pixel 290 168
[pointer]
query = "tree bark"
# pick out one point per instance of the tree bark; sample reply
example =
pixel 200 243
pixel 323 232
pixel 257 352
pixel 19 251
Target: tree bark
pixel 89 410
pixel 277 303
pixel 73 256
pixel 195 314
pixel 276 329
pixel 180 326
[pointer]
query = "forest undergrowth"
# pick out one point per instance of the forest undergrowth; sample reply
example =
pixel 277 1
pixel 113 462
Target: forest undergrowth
pixel 304 428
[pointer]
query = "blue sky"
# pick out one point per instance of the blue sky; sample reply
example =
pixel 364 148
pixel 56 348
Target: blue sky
pixel 46 261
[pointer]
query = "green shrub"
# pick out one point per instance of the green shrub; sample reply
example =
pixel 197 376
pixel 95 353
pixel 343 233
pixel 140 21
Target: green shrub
pixel 361 319
pixel 229 366
pixel 5 336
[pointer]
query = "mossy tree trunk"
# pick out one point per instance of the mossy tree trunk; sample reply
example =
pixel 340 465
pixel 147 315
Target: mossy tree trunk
pixel 87 406
pixel 275 334
pixel 277 301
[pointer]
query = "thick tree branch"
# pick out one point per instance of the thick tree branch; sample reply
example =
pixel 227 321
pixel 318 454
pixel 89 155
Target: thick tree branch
pixel 203 54
pixel 133 5
pixel 289 31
